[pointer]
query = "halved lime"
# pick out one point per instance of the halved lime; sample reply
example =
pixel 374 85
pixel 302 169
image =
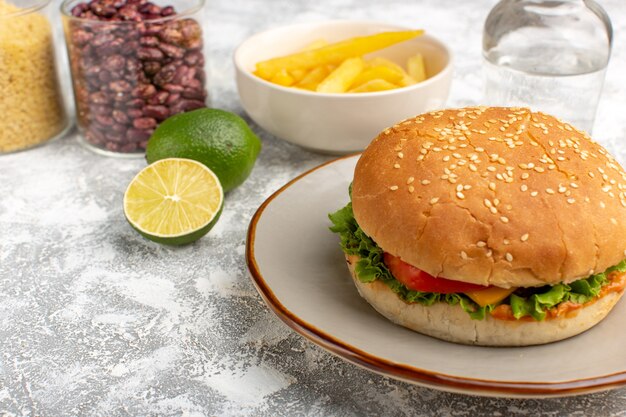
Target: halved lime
pixel 174 201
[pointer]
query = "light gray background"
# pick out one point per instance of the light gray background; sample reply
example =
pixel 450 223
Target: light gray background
pixel 95 320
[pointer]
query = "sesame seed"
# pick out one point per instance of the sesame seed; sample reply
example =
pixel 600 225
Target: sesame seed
pixel 562 189
pixel 524 237
pixel 491 169
pixel 487 202
pixel 473 168
pixel 425 182
pixel 410 180
pixel 504 219
pixel 490 252
pixel 434 200
pixel 534 193
pixel 506 241
pixel 460 195
pixel 459 187
pixel 493 210
pixel 463 255
pixel 396 166
pixel 549 191
pixel 571 200
pixel 467 187
pixel 613 220
pixel 492 186
pixel 574 185
pixel 524 187
pixel 393 187
pixel 411 188
pixel 525 175
pixel 400 155
pixel 602 205
pixel 509 257
pixel 481 244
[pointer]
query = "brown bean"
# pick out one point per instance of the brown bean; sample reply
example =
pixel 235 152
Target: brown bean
pixel 104 120
pixel 99 98
pixel 150 54
pixel 134 103
pixel 186 105
pixel 138 135
pixel 194 94
pixel 151 67
pixel 167 11
pixel 134 113
pixel 159 98
pixel 115 63
pixel 194 58
pixel 128 147
pixel 172 51
pixel 102 39
pixel 144 91
pixel 144 123
pixel 120 117
pixel 173 88
pixel 149 41
pixel 129 48
pixel 165 75
pixel 120 86
pixel 158 112
pixel 81 37
pixel 173 99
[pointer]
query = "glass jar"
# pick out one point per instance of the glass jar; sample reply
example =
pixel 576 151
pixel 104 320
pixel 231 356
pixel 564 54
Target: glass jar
pixel 550 55
pixel 32 110
pixel 134 64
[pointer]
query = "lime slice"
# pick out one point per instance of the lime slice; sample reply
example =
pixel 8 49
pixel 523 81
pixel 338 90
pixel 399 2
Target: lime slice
pixel 174 201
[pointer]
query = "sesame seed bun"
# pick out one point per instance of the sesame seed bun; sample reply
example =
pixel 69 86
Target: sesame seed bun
pixel 451 323
pixel 493 196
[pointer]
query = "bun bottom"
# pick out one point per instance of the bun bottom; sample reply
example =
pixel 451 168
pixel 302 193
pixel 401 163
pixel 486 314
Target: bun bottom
pixel 453 324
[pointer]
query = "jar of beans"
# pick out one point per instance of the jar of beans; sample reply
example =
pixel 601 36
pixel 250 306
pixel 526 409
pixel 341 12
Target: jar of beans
pixel 32 110
pixel 134 63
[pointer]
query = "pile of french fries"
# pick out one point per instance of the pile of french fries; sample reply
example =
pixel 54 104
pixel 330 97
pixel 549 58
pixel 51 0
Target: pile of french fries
pixel 341 68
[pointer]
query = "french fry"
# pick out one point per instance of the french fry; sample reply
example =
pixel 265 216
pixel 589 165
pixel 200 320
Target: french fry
pixel 377 84
pixel 406 78
pixel 342 78
pixel 386 73
pixel 298 75
pixel 334 53
pixel 416 68
pixel 320 43
pixel 315 76
pixel 283 78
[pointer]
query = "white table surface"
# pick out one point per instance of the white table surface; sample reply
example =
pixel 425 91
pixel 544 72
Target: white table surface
pixel 95 320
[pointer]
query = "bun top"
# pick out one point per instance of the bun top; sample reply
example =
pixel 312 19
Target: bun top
pixel 493 196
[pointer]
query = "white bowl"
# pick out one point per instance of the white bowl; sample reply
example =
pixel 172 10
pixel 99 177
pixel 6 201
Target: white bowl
pixel 337 123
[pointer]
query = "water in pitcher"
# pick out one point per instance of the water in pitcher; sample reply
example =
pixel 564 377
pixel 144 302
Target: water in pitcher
pixel 549 55
pixel 528 78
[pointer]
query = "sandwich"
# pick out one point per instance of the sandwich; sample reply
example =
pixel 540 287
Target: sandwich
pixel 487 226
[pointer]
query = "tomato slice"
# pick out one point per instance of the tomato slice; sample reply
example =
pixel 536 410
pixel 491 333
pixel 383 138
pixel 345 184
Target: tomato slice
pixel 418 280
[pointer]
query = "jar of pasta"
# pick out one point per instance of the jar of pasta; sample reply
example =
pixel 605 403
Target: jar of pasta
pixel 32 110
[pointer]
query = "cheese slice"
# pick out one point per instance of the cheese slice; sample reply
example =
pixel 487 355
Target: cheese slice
pixel 491 295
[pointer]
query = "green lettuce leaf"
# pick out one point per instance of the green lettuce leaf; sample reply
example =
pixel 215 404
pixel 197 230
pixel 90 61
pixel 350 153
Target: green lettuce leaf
pixel 371 267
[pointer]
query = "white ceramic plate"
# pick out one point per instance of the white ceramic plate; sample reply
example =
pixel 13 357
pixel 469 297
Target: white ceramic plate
pixel 299 269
